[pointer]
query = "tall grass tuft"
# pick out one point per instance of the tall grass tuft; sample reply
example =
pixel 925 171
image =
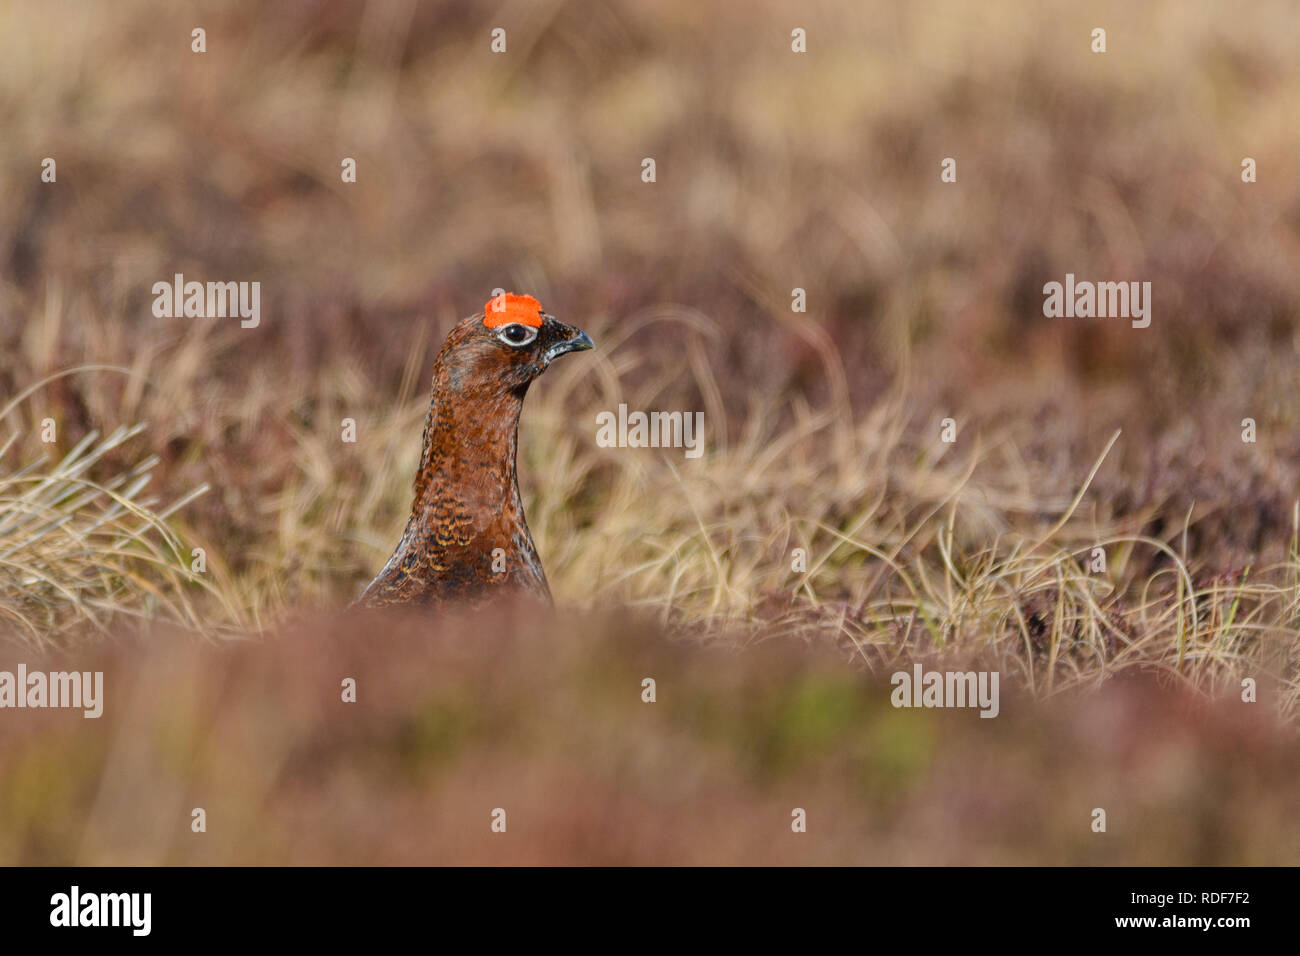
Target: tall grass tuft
pixel 82 543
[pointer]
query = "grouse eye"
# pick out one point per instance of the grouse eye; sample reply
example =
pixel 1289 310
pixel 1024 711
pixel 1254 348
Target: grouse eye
pixel 517 334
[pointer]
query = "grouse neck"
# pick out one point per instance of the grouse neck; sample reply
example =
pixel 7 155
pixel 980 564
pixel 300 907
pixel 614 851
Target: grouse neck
pixel 470 442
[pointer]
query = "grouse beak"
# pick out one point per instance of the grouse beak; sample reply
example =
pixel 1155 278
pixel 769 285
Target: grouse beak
pixel 579 341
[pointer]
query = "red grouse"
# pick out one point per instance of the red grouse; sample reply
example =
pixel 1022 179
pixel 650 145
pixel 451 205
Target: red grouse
pixel 466 538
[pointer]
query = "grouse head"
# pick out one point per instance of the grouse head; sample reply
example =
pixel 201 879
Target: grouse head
pixel 466 537
pixel 508 345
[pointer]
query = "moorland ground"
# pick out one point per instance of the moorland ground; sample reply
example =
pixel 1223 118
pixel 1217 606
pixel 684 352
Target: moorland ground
pixel 775 171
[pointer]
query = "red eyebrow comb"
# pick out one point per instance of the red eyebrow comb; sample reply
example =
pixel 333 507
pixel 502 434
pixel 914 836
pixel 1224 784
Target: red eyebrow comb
pixel 507 308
